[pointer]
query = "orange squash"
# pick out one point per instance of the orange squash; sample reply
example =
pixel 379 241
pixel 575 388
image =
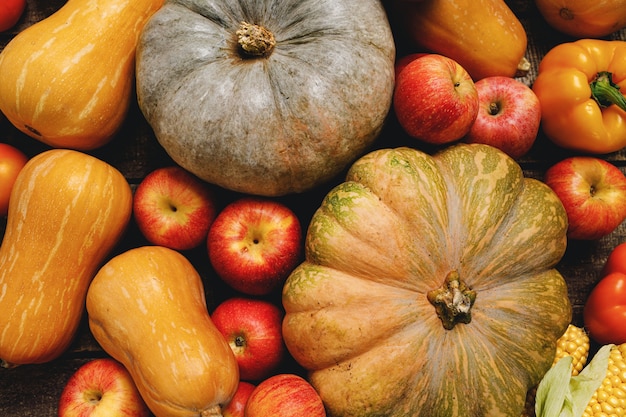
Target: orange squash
pixel 68 79
pixel 584 18
pixel 147 309
pixel 66 213
pixel 484 36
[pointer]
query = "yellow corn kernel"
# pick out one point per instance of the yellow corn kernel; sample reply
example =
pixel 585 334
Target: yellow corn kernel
pixel 609 400
pixel 575 343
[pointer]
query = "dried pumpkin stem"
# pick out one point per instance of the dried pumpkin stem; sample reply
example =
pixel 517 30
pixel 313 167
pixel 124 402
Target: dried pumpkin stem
pixel 452 301
pixel 255 40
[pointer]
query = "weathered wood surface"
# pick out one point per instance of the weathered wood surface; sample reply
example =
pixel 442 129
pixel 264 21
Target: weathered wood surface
pixel 34 390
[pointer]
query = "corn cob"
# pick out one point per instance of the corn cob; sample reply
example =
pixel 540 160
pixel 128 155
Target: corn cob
pixel 609 400
pixel 574 343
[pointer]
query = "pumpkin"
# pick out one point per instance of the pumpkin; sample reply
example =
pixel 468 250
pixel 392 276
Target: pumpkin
pixel 67 211
pixel 266 97
pixel 484 36
pixel 429 286
pixel 147 309
pixel 584 18
pixel 68 79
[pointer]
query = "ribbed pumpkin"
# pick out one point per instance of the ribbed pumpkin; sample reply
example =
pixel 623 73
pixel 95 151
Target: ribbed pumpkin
pixel 429 286
pixel 266 97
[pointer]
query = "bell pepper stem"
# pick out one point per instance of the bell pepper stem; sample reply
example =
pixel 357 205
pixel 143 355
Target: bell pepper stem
pixel 605 92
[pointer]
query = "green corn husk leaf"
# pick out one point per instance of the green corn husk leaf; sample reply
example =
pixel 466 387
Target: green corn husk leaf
pixel 560 394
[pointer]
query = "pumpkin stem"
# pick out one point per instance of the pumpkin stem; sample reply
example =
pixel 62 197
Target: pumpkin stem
pixel 452 301
pixel 255 40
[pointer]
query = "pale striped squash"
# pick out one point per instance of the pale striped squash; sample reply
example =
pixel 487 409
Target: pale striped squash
pixel 385 242
pixel 67 211
pixel 68 79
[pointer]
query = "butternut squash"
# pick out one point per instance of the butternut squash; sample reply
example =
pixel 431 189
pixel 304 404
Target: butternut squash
pixel 66 213
pixel 147 309
pixel 584 18
pixel 68 79
pixel 484 36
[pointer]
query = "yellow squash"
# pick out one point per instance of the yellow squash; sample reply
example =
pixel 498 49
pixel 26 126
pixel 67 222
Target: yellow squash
pixel 66 213
pixel 68 79
pixel 147 309
pixel 484 36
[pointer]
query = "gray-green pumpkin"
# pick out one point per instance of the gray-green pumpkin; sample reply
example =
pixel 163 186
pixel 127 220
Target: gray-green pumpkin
pixel 266 97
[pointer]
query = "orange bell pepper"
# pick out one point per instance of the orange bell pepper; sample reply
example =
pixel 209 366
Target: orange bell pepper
pixel 578 86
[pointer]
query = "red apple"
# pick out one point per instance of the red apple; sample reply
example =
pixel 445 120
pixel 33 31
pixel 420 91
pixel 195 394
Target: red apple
pixel 508 116
pixel 12 160
pixel 254 243
pixel 10 13
pixel 173 208
pixel 403 61
pixel 101 388
pixel 253 329
pixel 593 192
pixel 435 99
pixel 237 405
pixel 285 395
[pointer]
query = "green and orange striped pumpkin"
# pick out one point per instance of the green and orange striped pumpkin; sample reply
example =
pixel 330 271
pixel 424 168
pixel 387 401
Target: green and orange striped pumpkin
pixel 67 211
pixel 429 286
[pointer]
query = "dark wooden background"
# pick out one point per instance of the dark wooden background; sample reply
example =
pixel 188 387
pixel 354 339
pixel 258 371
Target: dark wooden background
pixel 33 390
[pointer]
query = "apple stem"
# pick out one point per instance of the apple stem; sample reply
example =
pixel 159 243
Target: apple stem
pixel 494 108
pixel 240 341
pixel 605 92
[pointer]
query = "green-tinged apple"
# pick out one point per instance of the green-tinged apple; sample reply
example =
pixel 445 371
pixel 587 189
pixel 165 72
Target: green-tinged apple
pixel 435 99
pixel 12 160
pixel 254 244
pixel 508 116
pixel 253 329
pixel 174 208
pixel 285 395
pixel 237 404
pixel 593 192
pixel 101 388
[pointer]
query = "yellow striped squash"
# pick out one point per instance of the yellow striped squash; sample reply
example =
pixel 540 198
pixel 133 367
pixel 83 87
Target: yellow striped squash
pixel 429 286
pixel 67 211
pixel 68 79
pixel 147 309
